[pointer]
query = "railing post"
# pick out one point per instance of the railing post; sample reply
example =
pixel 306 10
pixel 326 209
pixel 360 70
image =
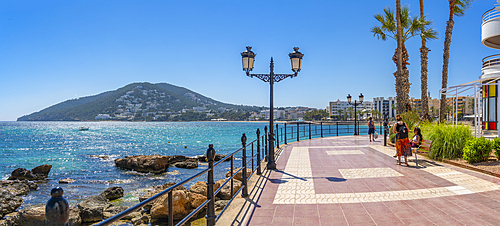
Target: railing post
pixel 210 187
pixel 337 128
pixel 266 156
pixel 253 168
pixel 57 208
pixel 277 137
pixel 285 133
pixel 244 193
pixel 170 208
pixel 309 131
pixel 321 128
pixel 298 131
pixel 259 172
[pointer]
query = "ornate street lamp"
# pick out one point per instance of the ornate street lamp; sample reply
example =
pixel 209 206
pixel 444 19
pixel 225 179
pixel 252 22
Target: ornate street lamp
pixel 355 105
pixel 248 58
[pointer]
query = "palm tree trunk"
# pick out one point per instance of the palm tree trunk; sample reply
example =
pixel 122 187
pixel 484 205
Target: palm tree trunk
pixel 446 58
pixel 424 51
pixel 399 64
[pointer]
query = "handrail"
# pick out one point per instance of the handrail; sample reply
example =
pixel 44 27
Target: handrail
pixel 195 211
pixel 490 15
pixel 491 60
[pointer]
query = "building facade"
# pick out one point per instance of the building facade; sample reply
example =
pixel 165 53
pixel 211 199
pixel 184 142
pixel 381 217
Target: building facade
pixel 387 108
pixel 342 109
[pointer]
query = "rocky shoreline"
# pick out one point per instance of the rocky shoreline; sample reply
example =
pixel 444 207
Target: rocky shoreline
pixel 97 208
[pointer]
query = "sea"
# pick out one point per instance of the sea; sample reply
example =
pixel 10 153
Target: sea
pixel 72 153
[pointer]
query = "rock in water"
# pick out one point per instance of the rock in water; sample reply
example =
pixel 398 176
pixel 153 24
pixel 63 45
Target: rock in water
pixel 113 193
pixel 41 172
pixel 66 181
pixel 37 173
pixel 144 163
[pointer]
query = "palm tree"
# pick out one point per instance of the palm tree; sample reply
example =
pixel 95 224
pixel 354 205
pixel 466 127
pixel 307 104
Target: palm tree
pixel 457 7
pixel 410 28
pixel 424 51
pixel 401 93
pixel 340 113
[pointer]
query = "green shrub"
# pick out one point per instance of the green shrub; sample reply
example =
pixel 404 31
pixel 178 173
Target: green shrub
pixel 447 140
pixel 411 118
pixel 496 147
pixel 477 150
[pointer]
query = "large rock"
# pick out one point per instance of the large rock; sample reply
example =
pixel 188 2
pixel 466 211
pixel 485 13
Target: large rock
pixel 156 190
pixel 74 217
pixel 144 163
pixel 113 210
pixel 225 192
pixel 32 215
pixel 183 202
pixel 220 204
pixel 113 193
pixel 37 173
pixel 187 164
pixel 42 171
pixel 20 188
pixel 239 175
pixel 200 187
pixel 91 210
pixel 35 216
pixel 8 202
pixel 183 161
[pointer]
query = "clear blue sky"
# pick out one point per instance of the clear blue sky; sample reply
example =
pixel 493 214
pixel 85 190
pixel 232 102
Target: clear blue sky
pixel 52 51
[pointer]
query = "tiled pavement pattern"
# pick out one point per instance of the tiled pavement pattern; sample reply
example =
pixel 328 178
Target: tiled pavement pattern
pixel 350 181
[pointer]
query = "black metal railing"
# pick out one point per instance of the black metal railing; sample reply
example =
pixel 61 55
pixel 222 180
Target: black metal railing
pixel 296 131
pixel 255 161
pixel 290 131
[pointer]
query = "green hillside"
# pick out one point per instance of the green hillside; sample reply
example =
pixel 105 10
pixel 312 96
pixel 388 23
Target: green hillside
pixel 137 101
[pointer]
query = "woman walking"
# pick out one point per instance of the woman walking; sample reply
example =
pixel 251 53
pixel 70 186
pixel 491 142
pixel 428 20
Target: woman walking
pixel 402 141
pixel 371 130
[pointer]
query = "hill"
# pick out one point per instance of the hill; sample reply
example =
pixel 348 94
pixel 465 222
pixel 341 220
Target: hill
pixel 136 101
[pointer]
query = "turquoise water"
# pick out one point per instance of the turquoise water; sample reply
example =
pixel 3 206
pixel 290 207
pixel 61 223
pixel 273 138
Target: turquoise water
pixel 68 150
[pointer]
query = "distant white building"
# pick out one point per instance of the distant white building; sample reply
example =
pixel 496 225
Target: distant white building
pixel 277 114
pixel 385 107
pixel 199 109
pixel 339 108
pixel 102 116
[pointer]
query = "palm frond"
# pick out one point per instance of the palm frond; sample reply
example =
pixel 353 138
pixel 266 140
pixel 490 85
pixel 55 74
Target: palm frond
pixel 461 6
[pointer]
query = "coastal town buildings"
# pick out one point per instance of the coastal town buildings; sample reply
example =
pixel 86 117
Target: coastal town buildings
pixel 386 107
pixel 342 110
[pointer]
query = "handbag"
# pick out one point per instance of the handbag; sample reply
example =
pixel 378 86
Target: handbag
pixel 376 135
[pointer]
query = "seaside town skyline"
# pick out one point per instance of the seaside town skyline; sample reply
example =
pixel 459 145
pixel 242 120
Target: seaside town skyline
pixel 54 50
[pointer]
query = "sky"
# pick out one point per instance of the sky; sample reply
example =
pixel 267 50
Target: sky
pixel 52 51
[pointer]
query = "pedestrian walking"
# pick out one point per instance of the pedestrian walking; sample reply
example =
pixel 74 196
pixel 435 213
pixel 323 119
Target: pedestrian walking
pixel 371 130
pixel 402 141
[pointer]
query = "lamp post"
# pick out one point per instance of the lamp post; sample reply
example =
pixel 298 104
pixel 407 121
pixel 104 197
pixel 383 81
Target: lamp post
pixel 248 58
pixel 355 113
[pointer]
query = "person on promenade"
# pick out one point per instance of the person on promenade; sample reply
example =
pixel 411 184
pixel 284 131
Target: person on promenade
pixel 371 130
pixel 417 138
pixel 402 142
pixel 386 125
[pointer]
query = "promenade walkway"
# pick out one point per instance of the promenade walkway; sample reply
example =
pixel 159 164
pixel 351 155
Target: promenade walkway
pixel 351 181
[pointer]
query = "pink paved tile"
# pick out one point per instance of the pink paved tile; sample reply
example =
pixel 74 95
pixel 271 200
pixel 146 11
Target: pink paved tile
pixel 471 209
